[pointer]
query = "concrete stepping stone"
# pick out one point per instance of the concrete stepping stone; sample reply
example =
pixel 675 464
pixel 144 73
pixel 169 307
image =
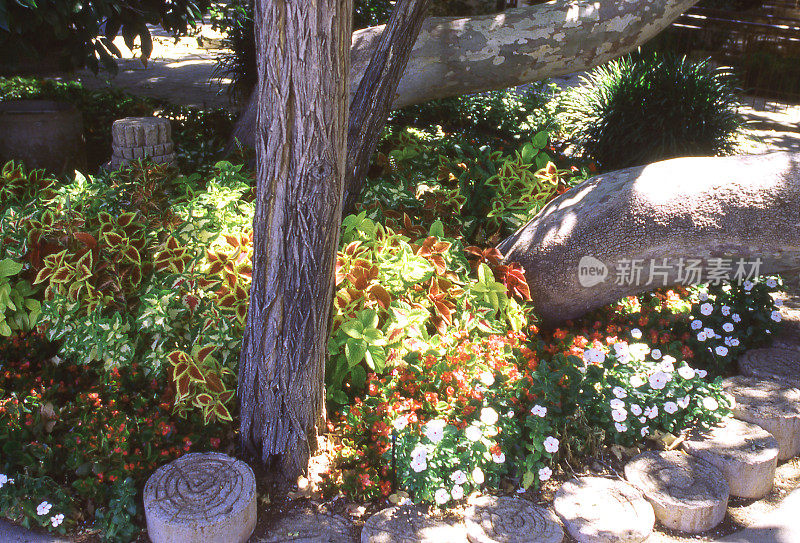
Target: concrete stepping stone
pixel 493 519
pixel 305 526
pixel 687 494
pixel 201 498
pixel 602 510
pixel 745 453
pixel 410 524
pixel 781 363
pixel 773 406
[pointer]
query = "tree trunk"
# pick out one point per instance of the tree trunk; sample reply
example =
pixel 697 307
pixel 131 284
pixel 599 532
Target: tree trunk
pixel 375 94
pixel 300 147
pixel 455 56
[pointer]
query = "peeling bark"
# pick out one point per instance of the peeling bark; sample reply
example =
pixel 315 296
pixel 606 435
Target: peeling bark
pixel 455 56
pixel 300 148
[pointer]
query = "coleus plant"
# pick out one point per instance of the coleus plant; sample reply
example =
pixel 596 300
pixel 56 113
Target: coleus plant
pixel 200 381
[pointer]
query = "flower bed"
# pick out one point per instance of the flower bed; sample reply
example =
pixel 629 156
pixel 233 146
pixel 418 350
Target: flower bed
pixel 128 295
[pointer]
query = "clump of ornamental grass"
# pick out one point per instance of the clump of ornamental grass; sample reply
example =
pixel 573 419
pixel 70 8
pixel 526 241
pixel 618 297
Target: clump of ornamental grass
pixel 641 109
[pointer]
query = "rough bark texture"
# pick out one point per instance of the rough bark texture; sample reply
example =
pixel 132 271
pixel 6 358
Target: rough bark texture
pixel 669 212
pixel 375 94
pixel 300 147
pixel 455 56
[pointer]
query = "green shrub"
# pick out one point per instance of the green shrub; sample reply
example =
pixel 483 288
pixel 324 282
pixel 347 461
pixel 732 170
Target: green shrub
pixel 638 110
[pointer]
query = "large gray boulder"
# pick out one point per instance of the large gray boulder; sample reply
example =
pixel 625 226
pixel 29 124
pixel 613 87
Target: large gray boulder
pixel 669 217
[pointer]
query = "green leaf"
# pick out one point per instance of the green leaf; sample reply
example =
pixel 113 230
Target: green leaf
pixel 540 140
pixel 358 377
pixel 353 329
pixel 8 267
pixel 527 479
pixel 354 351
pixel 340 397
pixel 528 152
pixel 378 357
pixel 437 229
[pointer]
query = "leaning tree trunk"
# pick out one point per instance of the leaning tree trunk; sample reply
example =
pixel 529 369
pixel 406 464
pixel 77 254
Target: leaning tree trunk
pixel 463 55
pixel 301 135
pixel 375 94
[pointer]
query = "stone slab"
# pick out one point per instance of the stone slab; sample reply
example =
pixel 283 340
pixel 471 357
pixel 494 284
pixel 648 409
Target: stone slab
pixel 773 406
pixel 141 131
pixel 410 524
pixel 494 519
pixel 745 453
pixel 602 510
pixel 201 498
pixel 306 526
pixel 778 362
pixel 688 494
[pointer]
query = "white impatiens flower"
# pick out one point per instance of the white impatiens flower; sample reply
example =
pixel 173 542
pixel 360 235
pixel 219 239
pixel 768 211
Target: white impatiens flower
pixel 710 403
pixel 636 409
pixel 473 433
pixel 3 479
pixel 639 350
pixel 651 412
pixel 645 430
pixel 487 378
pixel 459 477
pixel 499 458
pixel 706 309
pixel 696 324
pixel 458 492
pixel 636 381
pixel 659 380
pixel 671 407
pixel 776 316
pixel 778 302
pixel 734 342
pixel 551 444
pixel 616 403
pixel 702 374
pixel 594 356
pixel 686 372
pixel 684 402
pixel 702 296
pixel 725 310
pixel 642 419
pixel 721 350
pixel 747 286
pixel 736 318
pixel 43 508
pixel 728 327
pixel 701 336
pixel 636 333
pixel 619 392
pixel 619 415
pixel 442 496
pixel 710 333
pixel 56 520
pixel 655 354
pixel 666 365
pixel 419 464
pixel 434 430
pixel 538 410
pixel 489 416
pixel 621 428
pixel 771 283
pixel 622 353
pixel 545 473
pixel 477 476
pixel 400 423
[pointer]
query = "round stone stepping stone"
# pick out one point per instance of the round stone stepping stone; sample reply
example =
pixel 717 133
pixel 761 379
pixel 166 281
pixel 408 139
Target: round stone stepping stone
pixel 781 363
pixel 305 526
pixel 495 519
pixel 773 406
pixel 410 524
pixel 203 498
pixel 688 494
pixel 746 454
pixel 601 510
